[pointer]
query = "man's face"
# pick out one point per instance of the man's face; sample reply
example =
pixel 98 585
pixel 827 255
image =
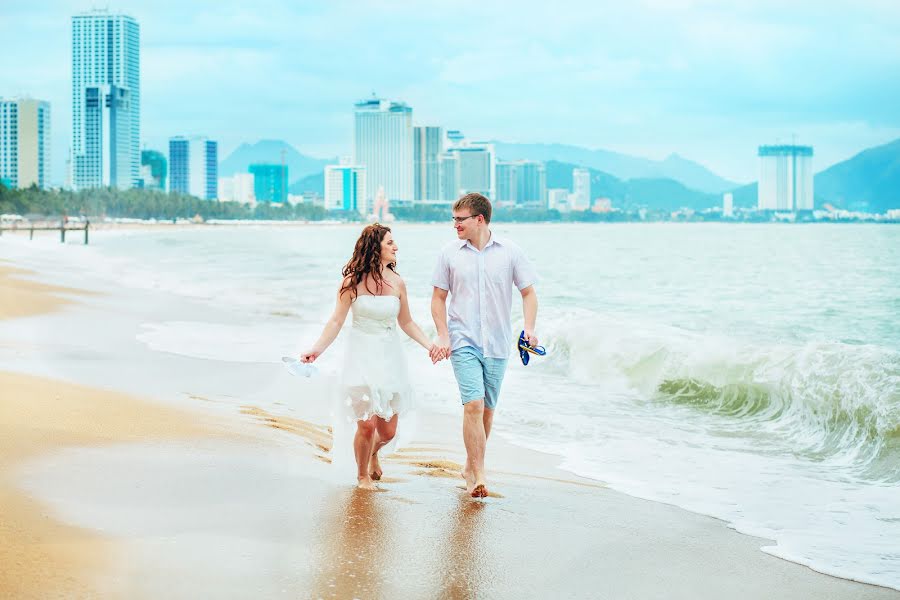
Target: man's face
pixel 465 223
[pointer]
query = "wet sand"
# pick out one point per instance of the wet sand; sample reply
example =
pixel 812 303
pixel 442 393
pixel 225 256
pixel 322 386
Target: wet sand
pixel 108 495
pixel 41 556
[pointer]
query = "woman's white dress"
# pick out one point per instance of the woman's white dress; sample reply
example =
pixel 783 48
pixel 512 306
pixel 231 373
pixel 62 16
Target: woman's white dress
pixel 375 378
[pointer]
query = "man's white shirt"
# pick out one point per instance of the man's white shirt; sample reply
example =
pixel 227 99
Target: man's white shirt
pixel 480 285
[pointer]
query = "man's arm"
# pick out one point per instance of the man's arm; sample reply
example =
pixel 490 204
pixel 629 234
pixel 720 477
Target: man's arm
pixel 529 310
pixel 439 314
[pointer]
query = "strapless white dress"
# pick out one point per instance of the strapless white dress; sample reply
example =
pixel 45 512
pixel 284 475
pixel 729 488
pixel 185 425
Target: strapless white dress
pixel 375 377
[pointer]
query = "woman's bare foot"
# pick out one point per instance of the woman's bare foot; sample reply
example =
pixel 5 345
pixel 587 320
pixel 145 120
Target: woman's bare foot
pixel 375 467
pixel 366 483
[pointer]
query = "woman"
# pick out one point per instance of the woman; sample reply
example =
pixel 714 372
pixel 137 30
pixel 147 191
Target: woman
pixel 374 383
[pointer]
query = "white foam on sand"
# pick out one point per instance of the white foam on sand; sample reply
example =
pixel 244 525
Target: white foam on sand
pixel 259 343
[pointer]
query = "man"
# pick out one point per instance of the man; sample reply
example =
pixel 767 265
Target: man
pixel 478 271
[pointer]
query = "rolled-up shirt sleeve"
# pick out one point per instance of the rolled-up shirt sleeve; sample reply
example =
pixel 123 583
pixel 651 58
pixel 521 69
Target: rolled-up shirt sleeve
pixel 441 276
pixel 523 272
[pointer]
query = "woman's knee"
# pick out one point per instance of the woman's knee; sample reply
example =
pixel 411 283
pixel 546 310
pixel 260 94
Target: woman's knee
pixel 366 428
pixel 387 430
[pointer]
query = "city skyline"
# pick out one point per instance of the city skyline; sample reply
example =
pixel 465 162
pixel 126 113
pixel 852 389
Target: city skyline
pixel 709 83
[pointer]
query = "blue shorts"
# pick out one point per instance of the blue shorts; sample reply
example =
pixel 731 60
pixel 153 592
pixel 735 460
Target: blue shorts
pixel 478 377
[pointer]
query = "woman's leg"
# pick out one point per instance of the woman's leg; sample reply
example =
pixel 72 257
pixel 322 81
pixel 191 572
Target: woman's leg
pixel 384 433
pixel 362 449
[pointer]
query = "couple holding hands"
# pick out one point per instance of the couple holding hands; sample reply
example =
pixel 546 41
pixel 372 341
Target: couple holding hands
pixel 477 273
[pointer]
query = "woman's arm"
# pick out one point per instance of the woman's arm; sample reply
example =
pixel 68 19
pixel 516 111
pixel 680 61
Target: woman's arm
pixel 331 330
pixel 410 327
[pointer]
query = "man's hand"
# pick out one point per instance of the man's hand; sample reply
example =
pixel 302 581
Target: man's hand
pixel 443 346
pixel 531 338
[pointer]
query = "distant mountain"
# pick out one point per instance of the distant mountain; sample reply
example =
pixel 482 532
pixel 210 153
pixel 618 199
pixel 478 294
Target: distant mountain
pixel 690 174
pixel 269 151
pixel 655 194
pixel 869 181
pixel 310 183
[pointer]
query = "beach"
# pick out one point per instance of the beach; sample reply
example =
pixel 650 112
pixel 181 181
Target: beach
pixel 136 466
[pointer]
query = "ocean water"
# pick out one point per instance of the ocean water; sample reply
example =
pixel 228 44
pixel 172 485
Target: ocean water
pixel 748 372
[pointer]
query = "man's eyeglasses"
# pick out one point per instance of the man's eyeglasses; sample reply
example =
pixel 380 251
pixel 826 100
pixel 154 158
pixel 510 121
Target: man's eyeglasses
pixel 461 219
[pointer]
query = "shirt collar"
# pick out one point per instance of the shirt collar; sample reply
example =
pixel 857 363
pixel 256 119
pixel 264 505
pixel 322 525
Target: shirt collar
pixel 492 240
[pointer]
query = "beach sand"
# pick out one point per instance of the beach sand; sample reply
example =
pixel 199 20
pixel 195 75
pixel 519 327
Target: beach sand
pixel 107 495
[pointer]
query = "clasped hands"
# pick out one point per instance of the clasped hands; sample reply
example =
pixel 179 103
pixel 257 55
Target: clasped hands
pixel 440 349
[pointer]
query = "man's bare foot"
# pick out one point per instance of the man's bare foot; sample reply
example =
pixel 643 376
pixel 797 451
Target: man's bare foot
pixel 470 480
pixel 375 467
pixel 479 491
pixel 366 483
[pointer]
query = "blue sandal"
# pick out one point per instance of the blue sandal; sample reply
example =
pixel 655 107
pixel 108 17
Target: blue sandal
pixel 525 348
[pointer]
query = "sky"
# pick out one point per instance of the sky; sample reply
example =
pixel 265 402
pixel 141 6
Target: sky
pixel 708 80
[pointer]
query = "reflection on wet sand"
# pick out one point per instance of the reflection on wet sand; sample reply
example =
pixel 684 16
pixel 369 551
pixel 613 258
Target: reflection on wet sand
pixel 353 562
pixel 467 569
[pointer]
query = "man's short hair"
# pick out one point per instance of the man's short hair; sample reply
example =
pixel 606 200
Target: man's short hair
pixel 478 204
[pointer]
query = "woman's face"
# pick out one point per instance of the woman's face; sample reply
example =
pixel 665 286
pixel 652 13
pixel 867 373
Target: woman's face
pixel 388 248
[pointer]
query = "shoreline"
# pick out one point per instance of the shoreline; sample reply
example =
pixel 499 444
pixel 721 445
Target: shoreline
pixel 41 555
pixel 536 501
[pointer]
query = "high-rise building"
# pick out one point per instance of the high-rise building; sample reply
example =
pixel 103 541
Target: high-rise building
pixel 785 178
pixel 728 205
pixel 581 190
pixel 24 142
pixel 154 169
pixel 428 145
pixel 194 165
pixel 521 183
pixel 105 100
pixel 270 182
pixel 345 188
pixel 470 168
pixel 449 176
pixel 237 188
pixel 383 144
pixel 558 199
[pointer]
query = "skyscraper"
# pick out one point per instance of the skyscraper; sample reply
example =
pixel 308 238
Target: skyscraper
pixel 345 188
pixel 269 182
pixel 194 166
pixel 428 144
pixel 105 100
pixel 581 190
pixel 24 142
pixel 521 183
pixel 785 178
pixel 383 143
pixel 469 168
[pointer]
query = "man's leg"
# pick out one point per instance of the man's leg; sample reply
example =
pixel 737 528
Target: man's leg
pixel 384 433
pixel 488 421
pixel 475 439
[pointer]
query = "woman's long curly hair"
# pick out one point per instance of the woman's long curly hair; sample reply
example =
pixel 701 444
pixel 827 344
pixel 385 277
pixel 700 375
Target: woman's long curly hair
pixel 366 260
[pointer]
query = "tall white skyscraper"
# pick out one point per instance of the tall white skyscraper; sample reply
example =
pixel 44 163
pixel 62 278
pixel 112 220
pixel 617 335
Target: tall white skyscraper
pixel 194 166
pixel 785 178
pixel 581 190
pixel 345 188
pixel 383 144
pixel 105 100
pixel 24 142
pixel 428 145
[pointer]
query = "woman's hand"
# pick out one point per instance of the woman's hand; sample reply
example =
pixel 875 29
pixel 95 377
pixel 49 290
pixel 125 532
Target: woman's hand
pixel 308 357
pixel 435 353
